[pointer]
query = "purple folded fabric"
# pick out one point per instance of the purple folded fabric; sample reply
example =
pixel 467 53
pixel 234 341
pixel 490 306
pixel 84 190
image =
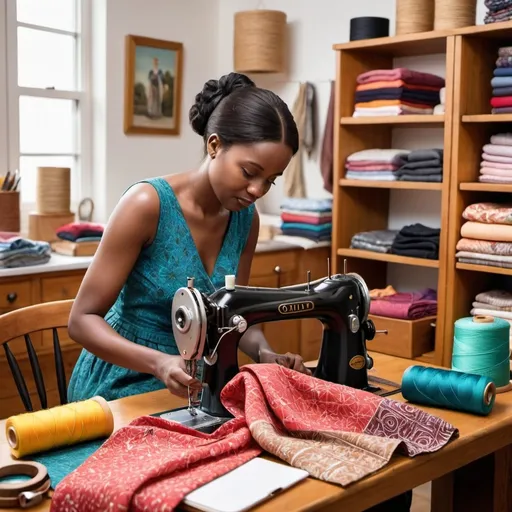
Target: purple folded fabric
pixel 406 305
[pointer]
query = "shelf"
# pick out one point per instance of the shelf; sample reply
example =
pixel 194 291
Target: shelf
pixel 426 43
pixel 489 31
pixel 403 185
pixel 388 258
pixel 486 187
pixel 488 118
pixel 484 268
pixel 407 120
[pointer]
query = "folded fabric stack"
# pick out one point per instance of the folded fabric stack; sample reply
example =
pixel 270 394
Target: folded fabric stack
pixel 422 165
pixel 417 241
pixel 375 241
pixel 403 305
pixel 498 11
pixel 78 238
pixel 307 218
pixel 501 82
pixel 487 235
pixel 374 164
pixel 440 108
pixel 495 303
pixel 16 251
pixel 496 165
pixel 399 91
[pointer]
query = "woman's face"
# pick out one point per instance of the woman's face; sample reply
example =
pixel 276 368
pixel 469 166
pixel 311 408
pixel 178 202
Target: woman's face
pixel 242 174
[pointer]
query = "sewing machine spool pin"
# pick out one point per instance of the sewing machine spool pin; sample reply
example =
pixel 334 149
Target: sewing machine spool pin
pixel 308 274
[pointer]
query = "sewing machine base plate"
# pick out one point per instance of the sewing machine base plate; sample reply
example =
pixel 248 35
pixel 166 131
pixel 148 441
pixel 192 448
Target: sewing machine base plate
pixel 202 422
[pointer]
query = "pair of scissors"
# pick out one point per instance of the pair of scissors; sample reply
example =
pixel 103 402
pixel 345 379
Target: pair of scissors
pixel 85 210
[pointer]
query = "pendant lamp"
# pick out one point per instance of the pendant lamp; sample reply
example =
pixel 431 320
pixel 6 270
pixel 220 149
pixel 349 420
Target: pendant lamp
pixel 259 41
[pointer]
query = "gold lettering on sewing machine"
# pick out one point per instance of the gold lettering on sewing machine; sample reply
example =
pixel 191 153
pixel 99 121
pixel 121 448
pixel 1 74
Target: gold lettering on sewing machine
pixel 295 307
pixel 357 362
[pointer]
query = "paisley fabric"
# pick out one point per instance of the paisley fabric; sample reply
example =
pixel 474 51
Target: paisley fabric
pixel 489 213
pixel 141 312
pixel 336 433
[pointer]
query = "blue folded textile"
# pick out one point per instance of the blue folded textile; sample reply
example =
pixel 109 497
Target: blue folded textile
pixel 305 204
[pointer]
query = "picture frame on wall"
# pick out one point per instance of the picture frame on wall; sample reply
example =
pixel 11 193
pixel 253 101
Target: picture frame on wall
pixel 153 86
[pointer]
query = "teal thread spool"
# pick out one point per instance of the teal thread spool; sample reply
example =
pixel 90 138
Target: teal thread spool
pixel 481 345
pixel 449 389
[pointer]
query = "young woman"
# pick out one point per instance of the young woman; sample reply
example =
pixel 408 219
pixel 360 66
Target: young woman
pixel 201 223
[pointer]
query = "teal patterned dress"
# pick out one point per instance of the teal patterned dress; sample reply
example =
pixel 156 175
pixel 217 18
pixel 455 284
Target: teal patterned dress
pixel 142 311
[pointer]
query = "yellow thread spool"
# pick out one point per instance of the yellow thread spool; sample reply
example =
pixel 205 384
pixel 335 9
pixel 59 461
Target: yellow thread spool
pixel 69 424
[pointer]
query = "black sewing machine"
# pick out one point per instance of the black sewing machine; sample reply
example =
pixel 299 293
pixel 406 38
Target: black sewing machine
pixel 208 328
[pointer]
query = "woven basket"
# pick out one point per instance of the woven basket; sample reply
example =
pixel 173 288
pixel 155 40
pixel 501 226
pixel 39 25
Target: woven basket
pixel 259 41
pixel 414 16
pixel 452 14
pixel 53 190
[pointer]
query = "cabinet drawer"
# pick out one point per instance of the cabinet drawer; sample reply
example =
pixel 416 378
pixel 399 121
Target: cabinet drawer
pixel 280 266
pixel 15 294
pixel 60 288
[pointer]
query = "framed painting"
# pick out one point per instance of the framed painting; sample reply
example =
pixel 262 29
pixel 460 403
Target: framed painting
pixel 153 84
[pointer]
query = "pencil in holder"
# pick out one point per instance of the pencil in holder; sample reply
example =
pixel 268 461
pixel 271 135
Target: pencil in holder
pixel 10 211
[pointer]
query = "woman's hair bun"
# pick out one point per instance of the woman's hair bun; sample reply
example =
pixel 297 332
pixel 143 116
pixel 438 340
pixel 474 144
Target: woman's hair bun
pixel 213 92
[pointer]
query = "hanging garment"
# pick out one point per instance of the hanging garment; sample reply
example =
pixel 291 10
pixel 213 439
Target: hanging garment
pixel 336 433
pixel 327 158
pixel 310 128
pixel 293 175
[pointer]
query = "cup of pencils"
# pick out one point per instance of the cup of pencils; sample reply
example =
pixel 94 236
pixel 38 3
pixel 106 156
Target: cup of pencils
pixel 10 202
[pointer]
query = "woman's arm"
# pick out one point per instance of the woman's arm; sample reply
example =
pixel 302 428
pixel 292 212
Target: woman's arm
pixel 253 342
pixel 131 227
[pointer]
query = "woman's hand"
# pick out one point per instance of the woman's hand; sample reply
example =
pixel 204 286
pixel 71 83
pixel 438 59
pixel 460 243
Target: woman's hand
pixel 172 372
pixel 289 360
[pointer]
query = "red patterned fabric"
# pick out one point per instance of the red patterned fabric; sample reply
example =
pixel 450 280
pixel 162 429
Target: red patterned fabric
pixel 336 433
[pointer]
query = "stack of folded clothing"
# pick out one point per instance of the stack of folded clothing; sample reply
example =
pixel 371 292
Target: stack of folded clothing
pixel 375 241
pixel 498 11
pixel 487 235
pixel 440 108
pixel 403 305
pixel 307 218
pixel 501 82
pixel 374 164
pixel 16 251
pixel 417 241
pixel 496 165
pixel 495 303
pixel 422 165
pixel 78 239
pixel 400 91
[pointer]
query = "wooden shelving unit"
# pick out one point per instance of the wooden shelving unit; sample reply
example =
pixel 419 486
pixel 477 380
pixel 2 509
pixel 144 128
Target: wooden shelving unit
pixel 364 205
pixel 476 50
pixel 467 125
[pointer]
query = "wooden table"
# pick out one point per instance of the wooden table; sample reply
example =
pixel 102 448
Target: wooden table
pixel 470 473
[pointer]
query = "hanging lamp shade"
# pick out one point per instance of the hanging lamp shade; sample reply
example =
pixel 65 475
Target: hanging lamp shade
pixel 259 41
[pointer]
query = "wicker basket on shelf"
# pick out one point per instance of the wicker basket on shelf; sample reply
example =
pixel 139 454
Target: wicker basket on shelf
pixel 413 16
pixel 452 14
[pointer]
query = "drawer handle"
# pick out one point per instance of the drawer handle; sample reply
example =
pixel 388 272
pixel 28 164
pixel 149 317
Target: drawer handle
pixel 11 297
pixel 277 270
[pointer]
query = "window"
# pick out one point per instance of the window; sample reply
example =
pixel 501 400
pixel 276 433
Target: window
pixel 47 91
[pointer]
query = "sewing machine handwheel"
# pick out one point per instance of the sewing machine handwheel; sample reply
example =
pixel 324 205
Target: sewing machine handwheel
pixel 369 329
pixel 369 362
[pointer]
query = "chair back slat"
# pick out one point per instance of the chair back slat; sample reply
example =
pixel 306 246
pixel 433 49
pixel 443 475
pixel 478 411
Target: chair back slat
pixel 59 368
pixel 36 372
pixel 20 323
pixel 18 379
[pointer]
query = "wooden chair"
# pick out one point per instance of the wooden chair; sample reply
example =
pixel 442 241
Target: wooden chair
pixel 23 322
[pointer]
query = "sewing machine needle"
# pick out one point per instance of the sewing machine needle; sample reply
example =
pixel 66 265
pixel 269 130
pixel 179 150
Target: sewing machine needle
pixel 191 366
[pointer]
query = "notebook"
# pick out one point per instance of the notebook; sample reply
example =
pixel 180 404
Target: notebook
pixel 245 487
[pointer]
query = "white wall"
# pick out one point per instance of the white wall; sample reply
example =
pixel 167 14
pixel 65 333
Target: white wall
pixel 314 26
pixel 119 159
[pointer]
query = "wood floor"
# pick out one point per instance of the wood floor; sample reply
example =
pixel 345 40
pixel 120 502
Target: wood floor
pixel 421 499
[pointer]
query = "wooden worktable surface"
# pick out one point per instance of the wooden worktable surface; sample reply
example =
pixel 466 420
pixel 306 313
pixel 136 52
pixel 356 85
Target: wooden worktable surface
pixel 479 436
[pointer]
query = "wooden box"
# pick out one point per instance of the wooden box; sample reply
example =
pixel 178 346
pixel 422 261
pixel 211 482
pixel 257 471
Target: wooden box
pixel 405 338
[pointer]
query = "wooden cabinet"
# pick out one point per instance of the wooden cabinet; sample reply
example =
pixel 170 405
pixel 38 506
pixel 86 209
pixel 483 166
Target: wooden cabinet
pixel 272 268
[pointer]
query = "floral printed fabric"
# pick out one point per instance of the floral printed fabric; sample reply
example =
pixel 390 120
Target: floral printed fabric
pixel 489 213
pixel 336 433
